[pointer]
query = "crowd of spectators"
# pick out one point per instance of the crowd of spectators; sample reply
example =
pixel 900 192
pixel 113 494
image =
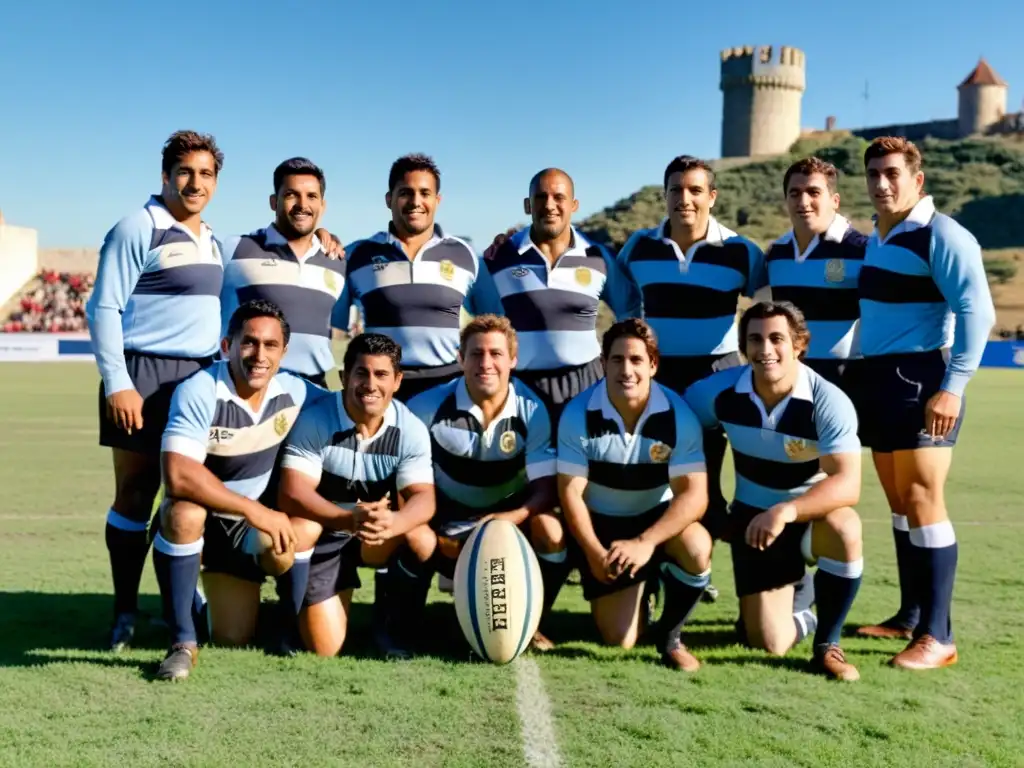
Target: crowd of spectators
pixel 53 303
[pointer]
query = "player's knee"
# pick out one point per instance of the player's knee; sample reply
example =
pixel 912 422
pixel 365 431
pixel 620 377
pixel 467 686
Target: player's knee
pixel 918 497
pixel 274 564
pixel 619 637
pixel 422 541
pixel 136 490
pixel 691 549
pixel 771 642
pixel 182 522
pixel 547 534
pixel 306 533
pixel 844 524
pixel 232 637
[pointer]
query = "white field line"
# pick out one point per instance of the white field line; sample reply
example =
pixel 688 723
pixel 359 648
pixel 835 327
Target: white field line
pixel 540 748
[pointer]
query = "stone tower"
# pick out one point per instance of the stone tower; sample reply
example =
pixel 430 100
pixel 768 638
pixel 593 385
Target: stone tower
pixel 982 101
pixel 762 88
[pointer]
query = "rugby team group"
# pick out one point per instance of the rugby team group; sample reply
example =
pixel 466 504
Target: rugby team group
pixel 213 356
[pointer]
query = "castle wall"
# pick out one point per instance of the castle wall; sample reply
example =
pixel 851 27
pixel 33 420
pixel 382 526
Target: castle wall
pixel 980 108
pixel 762 90
pixel 18 259
pixel 934 129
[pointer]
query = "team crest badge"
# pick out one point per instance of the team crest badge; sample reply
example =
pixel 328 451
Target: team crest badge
pixel 798 449
pixel 280 424
pixel 329 280
pixel 379 262
pixel 659 452
pixel 835 270
pixel 447 270
pixel 583 276
pixel 520 272
pixel 507 442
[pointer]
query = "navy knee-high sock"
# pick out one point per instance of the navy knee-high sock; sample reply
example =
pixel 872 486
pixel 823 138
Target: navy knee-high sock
pixel 682 593
pixel 291 585
pixel 909 613
pixel 127 545
pixel 836 584
pixel 554 570
pixel 936 552
pixel 177 573
pixel 408 582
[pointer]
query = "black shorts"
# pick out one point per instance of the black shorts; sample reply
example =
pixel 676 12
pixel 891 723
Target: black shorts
pixel 892 391
pixel 416 380
pixel 608 529
pixel 755 570
pixel 155 379
pixel 557 386
pixel 334 566
pixel 678 373
pixel 223 540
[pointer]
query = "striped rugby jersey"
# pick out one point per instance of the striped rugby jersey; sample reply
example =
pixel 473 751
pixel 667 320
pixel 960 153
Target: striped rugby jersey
pixel 157 291
pixel 481 470
pixel 628 474
pixel 326 446
pixel 924 288
pixel 822 283
pixel 690 299
pixel 416 302
pixel 210 423
pixel 553 307
pixel 308 290
pixel 775 454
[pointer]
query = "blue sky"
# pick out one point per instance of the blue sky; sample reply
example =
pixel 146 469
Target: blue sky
pixel 89 91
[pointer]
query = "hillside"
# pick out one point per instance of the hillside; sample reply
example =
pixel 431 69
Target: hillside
pixel 978 181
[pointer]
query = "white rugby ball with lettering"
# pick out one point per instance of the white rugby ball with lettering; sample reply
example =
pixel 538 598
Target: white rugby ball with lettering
pixel 498 591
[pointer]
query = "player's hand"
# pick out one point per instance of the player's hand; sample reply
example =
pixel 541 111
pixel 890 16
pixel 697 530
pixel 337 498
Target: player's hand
pixel 125 409
pixel 940 413
pixel 499 240
pixel 331 245
pixel 596 561
pixel 377 521
pixel 764 529
pixel 277 526
pixel 628 557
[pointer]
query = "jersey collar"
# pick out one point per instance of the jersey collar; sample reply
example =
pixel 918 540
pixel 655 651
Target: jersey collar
pixel 227 390
pixel 656 403
pixel 717 235
pixel 835 233
pixel 578 244
pixel 164 219
pixel 390 419
pixel 275 238
pixel 920 215
pixel 464 402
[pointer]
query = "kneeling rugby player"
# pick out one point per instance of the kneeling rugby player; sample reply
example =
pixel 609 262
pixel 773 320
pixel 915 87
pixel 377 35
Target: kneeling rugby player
pixel 798 474
pixel 224 429
pixel 344 465
pixel 633 488
pixel 490 440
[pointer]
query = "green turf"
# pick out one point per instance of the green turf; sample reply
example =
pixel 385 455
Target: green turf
pixel 64 701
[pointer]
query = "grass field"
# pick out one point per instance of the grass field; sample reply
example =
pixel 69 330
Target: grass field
pixel 66 702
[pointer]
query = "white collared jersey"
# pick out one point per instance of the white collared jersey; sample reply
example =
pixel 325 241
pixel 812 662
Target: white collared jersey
pixel 479 470
pixel 776 453
pixel 628 474
pixel 210 423
pixel 262 265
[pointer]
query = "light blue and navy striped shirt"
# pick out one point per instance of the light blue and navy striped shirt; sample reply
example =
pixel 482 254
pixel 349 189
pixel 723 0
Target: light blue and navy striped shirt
pixel 414 301
pixel 157 292
pixel 924 288
pixel 262 265
pixel 481 470
pixel 690 299
pixel 211 424
pixel 628 474
pixel 326 446
pixel 775 454
pixel 554 307
pixel 822 283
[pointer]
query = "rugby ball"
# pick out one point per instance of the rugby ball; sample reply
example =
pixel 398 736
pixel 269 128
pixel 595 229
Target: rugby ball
pixel 498 591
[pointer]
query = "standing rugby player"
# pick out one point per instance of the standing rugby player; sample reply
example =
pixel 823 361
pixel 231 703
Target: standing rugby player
pixel 926 313
pixel 797 457
pixel 154 319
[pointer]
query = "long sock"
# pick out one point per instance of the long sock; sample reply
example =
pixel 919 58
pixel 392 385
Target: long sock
pixel 682 593
pixel 291 585
pixel 806 623
pixel 936 554
pixel 380 595
pixel 909 613
pixel 127 545
pixel 836 584
pixel 803 593
pixel 408 582
pixel 177 573
pixel 554 570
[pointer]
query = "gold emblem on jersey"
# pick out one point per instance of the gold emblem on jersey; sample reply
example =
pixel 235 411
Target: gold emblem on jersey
pixel 507 441
pixel 583 276
pixel 281 424
pixel 447 270
pixel 659 452
pixel 329 280
pixel 835 270
pixel 798 449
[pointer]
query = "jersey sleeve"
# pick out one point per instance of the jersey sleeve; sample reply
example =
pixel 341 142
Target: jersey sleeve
pixel 483 296
pixel 414 463
pixel 228 294
pixel 959 273
pixel 122 259
pixel 190 417
pixel 836 421
pixel 700 397
pixel 688 452
pixel 572 429
pixel 757 274
pixel 621 292
pixel 304 449
pixel 342 307
pixel 540 453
